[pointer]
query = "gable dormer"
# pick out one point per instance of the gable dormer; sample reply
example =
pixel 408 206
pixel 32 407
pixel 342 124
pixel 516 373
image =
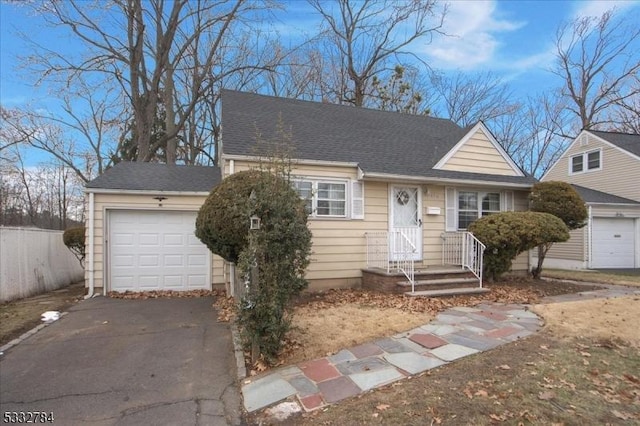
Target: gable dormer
pixel 479 152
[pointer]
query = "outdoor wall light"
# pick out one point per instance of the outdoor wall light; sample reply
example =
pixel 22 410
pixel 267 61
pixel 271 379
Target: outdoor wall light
pixel 255 223
pixel 160 199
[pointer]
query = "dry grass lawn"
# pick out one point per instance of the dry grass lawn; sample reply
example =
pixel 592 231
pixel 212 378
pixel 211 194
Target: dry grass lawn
pixel 599 319
pixel 592 276
pixel 320 332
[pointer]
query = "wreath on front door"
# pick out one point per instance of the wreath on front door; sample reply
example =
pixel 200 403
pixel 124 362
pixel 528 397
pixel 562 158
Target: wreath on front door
pixel 402 197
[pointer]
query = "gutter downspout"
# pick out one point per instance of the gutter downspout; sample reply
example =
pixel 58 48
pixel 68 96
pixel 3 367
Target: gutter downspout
pixel 589 238
pixel 91 246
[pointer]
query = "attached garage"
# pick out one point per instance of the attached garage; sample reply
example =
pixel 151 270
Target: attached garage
pixel 614 243
pixel 610 240
pixel 141 229
pixel 156 250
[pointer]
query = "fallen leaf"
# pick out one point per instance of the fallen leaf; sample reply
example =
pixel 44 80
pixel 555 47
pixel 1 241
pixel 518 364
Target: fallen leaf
pixel 504 367
pixel 481 392
pixel 375 415
pixel 621 415
pixel 467 392
pixel 546 395
pixel 587 354
pixel 382 407
pixel 497 417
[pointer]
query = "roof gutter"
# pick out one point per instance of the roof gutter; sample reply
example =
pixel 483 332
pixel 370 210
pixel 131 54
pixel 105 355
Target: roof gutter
pixel 420 179
pixel 142 192
pixel 601 203
pixel 255 158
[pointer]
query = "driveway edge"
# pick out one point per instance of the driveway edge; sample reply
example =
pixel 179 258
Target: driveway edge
pixel 241 369
pixel 28 334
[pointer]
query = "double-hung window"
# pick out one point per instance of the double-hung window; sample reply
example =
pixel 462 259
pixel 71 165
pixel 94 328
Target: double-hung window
pixel 466 206
pixel 585 162
pixel 331 198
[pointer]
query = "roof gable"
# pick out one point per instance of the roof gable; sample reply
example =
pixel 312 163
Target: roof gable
pixel 625 141
pixel 379 142
pixel 627 144
pixel 141 176
pixel 479 152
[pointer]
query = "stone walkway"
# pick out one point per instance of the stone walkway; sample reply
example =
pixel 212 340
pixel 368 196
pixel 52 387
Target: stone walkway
pixel 455 333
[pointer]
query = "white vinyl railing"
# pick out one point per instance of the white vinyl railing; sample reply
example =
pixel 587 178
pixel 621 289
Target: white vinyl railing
pixel 392 251
pixel 464 249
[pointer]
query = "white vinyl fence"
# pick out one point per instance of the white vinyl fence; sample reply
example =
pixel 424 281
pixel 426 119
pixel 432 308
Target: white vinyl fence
pixel 34 261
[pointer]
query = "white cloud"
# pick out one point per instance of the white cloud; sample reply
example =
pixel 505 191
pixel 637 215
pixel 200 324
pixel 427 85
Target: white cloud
pixel 472 27
pixel 598 7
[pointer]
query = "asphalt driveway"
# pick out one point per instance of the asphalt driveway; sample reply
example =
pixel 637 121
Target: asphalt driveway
pixel 113 361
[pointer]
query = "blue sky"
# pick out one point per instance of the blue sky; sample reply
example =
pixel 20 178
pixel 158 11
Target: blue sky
pixel 513 39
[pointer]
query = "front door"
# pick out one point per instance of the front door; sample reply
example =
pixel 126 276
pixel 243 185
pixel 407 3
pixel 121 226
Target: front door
pixel 405 221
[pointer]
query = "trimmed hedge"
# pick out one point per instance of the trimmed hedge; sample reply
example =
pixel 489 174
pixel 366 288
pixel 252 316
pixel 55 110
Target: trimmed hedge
pixel 508 234
pixel 273 258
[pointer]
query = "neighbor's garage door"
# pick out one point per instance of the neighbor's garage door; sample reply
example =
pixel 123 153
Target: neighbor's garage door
pixel 151 250
pixel 613 243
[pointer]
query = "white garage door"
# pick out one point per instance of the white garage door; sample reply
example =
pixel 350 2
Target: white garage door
pixel 151 250
pixel 613 243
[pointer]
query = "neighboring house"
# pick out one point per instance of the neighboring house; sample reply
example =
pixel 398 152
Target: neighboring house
pixel 385 190
pixel 604 167
pixel 140 229
pixel 381 187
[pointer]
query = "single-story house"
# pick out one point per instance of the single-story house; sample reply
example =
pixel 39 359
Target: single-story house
pixel 604 167
pixel 385 191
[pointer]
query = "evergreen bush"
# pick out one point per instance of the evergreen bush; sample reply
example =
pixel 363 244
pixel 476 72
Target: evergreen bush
pixel 508 234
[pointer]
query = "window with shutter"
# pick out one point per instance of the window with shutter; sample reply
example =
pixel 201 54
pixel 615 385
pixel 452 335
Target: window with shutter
pixel 451 215
pixel 357 199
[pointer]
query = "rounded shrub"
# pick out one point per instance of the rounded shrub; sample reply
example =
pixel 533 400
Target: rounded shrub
pixel 561 200
pixel 223 220
pixel 508 234
pixel 73 238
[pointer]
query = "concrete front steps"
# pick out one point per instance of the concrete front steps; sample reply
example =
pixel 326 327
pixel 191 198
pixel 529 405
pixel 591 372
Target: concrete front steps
pixel 432 281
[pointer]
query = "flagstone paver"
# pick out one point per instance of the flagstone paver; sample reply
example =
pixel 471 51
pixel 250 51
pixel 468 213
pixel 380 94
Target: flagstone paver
pixel 339 388
pixel 453 334
pixel 412 362
pixel 429 341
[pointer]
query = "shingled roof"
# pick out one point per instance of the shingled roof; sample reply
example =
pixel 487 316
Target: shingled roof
pixel 378 141
pixel 138 176
pixel 627 141
pixel 598 197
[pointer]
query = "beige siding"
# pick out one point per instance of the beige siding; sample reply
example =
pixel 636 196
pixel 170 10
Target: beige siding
pixel 574 249
pixel 619 175
pixel 339 245
pixel 432 225
pixel 105 202
pixel 521 203
pixel 479 155
pixel 615 211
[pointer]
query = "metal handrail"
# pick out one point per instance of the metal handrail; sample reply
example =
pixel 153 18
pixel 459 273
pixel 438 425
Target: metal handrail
pixel 381 255
pixel 464 249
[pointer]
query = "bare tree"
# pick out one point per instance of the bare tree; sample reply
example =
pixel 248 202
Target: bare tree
pixel 362 37
pixel 626 115
pixel 83 142
pixel 469 98
pixel 598 59
pixel 163 56
pixel 47 195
